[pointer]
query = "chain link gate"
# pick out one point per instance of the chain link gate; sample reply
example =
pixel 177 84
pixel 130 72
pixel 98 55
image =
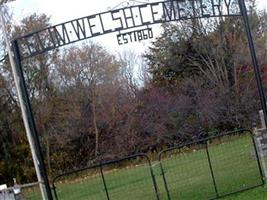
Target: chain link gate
pixel 211 168
pixel 206 169
pixel 131 177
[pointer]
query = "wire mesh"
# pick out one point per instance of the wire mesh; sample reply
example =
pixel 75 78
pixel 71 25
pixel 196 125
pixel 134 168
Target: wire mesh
pixel 234 163
pixel 211 168
pixel 81 185
pixel 130 178
pixel 206 169
pixel 187 174
pixel 31 192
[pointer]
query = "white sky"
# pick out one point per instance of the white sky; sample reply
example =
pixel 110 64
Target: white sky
pixel 60 11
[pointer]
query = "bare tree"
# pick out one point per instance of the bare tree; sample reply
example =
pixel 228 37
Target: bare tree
pixel 88 68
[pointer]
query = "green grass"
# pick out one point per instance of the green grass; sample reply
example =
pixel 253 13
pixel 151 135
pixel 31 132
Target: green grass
pixel 232 162
pixel 187 173
pixel 259 193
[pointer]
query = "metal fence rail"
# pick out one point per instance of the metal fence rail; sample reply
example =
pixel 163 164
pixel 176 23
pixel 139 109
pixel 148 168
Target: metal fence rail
pixel 31 191
pixel 211 168
pixel 131 177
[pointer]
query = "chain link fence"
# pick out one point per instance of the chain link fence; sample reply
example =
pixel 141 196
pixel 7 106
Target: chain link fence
pixel 211 168
pixel 31 191
pixel 129 178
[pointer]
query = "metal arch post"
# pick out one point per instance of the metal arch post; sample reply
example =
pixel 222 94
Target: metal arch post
pixel 30 123
pixel 255 63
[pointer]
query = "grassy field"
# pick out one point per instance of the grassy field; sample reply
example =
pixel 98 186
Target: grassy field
pixel 187 173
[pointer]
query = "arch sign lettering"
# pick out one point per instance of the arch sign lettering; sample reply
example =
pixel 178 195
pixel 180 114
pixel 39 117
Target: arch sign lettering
pixel 131 24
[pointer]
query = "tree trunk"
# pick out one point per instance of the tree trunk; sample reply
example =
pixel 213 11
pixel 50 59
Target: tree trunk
pixel 96 129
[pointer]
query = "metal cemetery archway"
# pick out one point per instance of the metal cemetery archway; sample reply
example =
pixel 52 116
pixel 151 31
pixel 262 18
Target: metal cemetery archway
pixel 132 24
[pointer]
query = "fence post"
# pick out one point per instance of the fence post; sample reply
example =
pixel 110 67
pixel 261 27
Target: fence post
pixel 164 178
pixel 211 169
pixel 104 181
pixel 153 178
pixel 54 190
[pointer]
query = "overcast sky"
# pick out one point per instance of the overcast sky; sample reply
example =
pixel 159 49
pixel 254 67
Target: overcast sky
pixel 60 11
